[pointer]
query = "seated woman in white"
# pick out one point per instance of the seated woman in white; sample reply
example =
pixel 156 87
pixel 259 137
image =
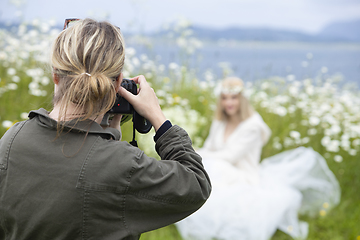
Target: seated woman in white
pixel 251 200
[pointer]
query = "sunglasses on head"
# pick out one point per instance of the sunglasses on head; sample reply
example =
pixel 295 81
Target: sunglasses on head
pixel 69 22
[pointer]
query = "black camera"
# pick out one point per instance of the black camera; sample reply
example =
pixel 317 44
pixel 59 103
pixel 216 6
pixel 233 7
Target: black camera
pixel 123 107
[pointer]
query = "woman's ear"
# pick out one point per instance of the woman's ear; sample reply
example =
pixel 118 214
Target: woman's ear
pixel 55 78
pixel 118 82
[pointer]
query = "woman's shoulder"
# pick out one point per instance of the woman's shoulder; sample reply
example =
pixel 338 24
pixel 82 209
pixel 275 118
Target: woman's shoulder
pixel 251 122
pixel 12 131
pixel 256 116
pixel 121 148
pixel 114 156
pixel 255 119
pixel 258 122
pixel 215 124
pixel 255 124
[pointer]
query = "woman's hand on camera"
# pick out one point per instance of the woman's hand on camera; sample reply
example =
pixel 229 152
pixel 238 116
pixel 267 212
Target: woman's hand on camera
pixel 145 102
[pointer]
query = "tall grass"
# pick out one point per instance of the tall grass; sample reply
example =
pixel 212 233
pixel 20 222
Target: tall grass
pixel 316 113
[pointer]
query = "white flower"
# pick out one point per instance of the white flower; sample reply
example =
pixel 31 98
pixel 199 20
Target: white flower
pixel 356 142
pixel 3 56
pixel 314 121
pixel 209 76
pixel 325 107
pixel 295 134
pixel 45 27
pixel 130 51
pixel 160 93
pixel 173 66
pixel 144 57
pixel 148 75
pixel 327 132
pixel 290 77
pixel 126 72
pixel 333 146
pixel 335 129
pixel 12 86
pixel 136 61
pixel 294 91
pixel 345 137
pixel 161 102
pixel 177 99
pixel 301 104
pixel 345 144
pixel 305 140
pixel 325 141
pixel 310 90
pixel 184 102
pixel 265 85
pixel 11 71
pixel 7 124
pixel 338 158
pixel 170 100
pixel 36 72
pixel 281 111
pixel 292 108
pixel 203 85
pixel 312 131
pixel 33 86
pixel 45 81
pixel 265 104
pixel 161 67
pixel 35 22
pixel 16 79
pixel 277 145
pixel 181 42
pixel 352 152
pixel 288 142
pixel 33 34
pixel 24 115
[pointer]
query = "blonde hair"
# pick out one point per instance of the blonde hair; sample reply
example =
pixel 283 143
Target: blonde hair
pixel 87 57
pixel 234 85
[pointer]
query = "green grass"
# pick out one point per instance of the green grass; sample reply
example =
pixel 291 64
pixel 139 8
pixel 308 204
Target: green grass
pixel 342 222
pixel 183 90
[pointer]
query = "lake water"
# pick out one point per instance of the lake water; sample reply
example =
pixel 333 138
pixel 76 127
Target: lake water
pixel 258 60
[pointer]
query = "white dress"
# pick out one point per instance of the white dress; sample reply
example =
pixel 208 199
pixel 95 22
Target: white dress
pixel 250 200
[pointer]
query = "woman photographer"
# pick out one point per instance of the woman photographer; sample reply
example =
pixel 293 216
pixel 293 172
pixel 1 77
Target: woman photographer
pixel 62 176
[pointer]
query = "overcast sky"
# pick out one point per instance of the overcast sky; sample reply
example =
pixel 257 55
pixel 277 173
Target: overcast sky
pixel 148 15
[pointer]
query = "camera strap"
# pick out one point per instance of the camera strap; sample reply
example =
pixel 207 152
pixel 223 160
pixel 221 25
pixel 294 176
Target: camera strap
pixel 133 142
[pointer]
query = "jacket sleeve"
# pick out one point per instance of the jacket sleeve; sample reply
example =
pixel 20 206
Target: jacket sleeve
pixel 166 191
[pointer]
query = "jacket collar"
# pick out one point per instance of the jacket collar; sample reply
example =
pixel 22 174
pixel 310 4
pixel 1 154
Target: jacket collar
pixel 86 126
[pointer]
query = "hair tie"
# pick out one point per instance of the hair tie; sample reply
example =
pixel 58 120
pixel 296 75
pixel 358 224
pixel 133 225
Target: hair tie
pixel 86 74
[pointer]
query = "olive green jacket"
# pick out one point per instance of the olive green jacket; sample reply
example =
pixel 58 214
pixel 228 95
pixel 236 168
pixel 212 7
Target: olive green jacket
pixel 86 184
